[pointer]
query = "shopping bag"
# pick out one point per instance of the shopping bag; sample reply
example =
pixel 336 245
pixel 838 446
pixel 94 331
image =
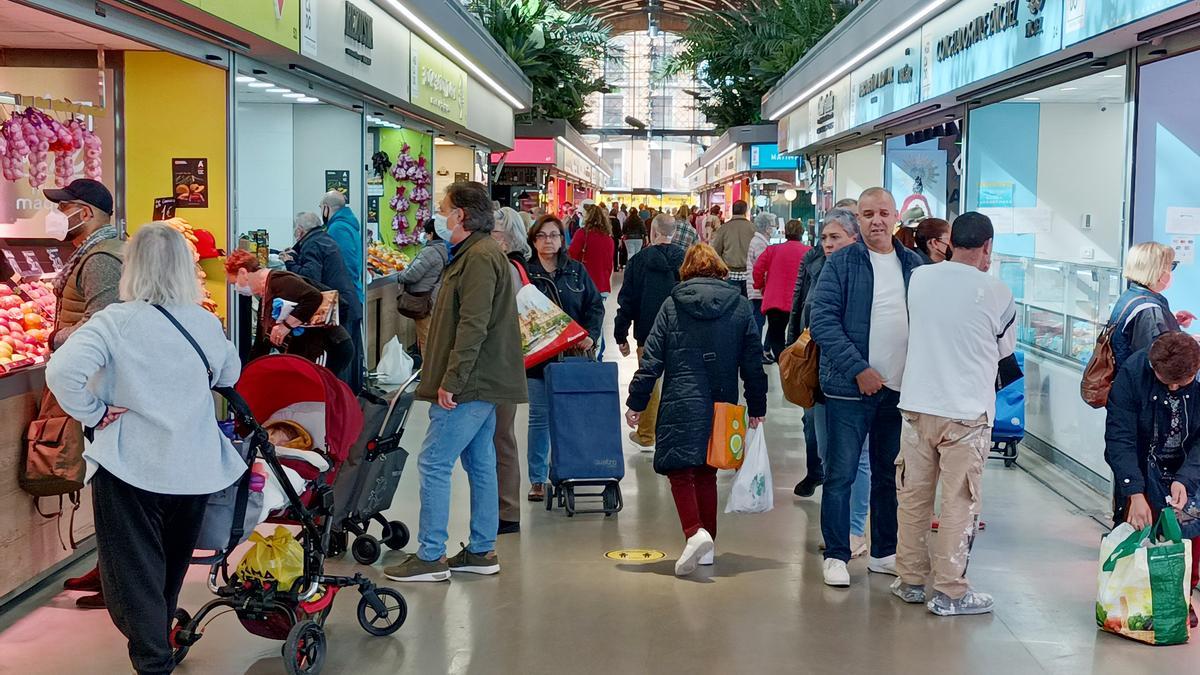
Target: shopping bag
pixel 1144 583
pixel 727 444
pixel 278 559
pixel 799 370
pixel 752 490
pixel 546 330
pixel 395 366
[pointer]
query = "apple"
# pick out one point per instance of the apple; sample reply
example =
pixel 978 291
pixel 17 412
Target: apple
pixel 15 327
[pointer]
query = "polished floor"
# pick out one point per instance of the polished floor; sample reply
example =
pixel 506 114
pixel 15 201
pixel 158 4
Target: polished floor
pixel 560 606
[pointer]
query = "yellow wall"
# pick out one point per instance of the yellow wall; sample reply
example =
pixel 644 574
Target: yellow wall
pixel 176 107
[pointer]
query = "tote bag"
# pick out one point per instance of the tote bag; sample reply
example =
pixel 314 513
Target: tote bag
pixel 1144 582
pixel 546 330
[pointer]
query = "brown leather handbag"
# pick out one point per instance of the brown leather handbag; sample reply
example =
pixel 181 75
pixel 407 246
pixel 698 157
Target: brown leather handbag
pixel 799 370
pixel 53 452
pixel 415 305
pixel 1101 369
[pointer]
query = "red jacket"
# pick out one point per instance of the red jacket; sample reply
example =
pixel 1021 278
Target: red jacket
pixel 599 258
pixel 775 274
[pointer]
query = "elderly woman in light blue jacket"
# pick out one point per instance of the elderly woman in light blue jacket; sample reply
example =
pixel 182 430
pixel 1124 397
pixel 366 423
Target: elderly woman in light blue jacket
pixel 141 389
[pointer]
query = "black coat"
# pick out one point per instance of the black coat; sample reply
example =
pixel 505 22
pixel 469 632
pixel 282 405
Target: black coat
pixel 651 276
pixel 318 258
pixel 1136 409
pixel 703 339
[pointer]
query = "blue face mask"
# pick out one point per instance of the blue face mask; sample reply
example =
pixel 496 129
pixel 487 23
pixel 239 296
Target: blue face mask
pixel 441 226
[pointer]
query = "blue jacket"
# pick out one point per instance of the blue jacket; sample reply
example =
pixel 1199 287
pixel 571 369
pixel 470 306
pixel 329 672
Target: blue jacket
pixel 1146 325
pixel 840 319
pixel 346 231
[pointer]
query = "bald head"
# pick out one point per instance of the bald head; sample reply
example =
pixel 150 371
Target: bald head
pixel 334 200
pixel 877 219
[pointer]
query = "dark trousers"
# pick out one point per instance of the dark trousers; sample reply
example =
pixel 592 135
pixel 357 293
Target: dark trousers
pixel 739 284
pixel 812 451
pixel 358 365
pixel 849 422
pixel 144 541
pixel 759 319
pixel 777 321
pixel 695 493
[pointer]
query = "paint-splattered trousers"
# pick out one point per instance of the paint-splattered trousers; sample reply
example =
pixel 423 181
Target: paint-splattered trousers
pixel 938 449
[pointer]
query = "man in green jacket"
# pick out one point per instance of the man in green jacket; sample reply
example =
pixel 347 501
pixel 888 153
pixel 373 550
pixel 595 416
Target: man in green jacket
pixel 472 362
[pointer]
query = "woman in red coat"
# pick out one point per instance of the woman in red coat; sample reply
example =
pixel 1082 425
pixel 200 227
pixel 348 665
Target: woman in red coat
pixel 775 274
pixel 594 247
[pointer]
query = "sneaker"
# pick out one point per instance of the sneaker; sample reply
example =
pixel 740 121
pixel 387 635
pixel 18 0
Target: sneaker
pixel 909 593
pixel 883 565
pixel 537 492
pixel 89 582
pixel 971 603
pixel 637 440
pixel 413 568
pixel 697 545
pixel 707 558
pixel 509 527
pixel 806 487
pixel 836 573
pixel 475 563
pixel 94 601
pixel 858 546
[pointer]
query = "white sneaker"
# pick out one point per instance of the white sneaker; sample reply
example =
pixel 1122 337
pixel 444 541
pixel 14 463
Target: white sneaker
pixel 697 545
pixel 858 546
pixel 883 565
pixel 836 573
pixel 707 558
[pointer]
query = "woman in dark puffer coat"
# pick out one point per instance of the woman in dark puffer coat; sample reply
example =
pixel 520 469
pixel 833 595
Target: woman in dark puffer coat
pixel 705 336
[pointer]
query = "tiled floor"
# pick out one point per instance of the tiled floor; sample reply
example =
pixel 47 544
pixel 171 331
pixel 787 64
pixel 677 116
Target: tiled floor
pixel 560 606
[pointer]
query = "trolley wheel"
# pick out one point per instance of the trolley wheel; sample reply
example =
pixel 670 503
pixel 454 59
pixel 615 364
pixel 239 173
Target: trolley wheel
pixel 396 535
pixel 1010 463
pixel 180 647
pixel 386 619
pixel 304 650
pixel 365 549
pixel 339 541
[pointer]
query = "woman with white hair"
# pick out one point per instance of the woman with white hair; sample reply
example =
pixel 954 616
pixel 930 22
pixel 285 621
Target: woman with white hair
pixel 137 376
pixel 1142 313
pixel 511 233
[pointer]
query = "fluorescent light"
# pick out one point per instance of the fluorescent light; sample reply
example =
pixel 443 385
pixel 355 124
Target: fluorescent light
pixel 1068 88
pixel 441 141
pixel 859 58
pixel 260 85
pixel 278 90
pixel 1115 75
pixel 293 95
pixel 455 54
pixel 307 99
pixel 243 79
pixel 1031 98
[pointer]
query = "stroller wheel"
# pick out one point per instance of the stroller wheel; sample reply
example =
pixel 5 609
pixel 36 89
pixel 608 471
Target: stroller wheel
pixel 387 616
pixel 180 646
pixel 304 650
pixel 396 535
pixel 365 549
pixel 338 542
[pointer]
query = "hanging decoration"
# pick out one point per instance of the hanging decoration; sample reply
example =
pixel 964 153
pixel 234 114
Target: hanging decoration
pixel 28 137
pixel 414 171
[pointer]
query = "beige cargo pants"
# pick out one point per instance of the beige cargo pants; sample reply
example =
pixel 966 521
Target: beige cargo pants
pixel 936 448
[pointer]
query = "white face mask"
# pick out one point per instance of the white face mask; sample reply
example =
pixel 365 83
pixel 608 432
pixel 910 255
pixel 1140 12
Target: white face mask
pixel 241 289
pixel 441 226
pixel 57 225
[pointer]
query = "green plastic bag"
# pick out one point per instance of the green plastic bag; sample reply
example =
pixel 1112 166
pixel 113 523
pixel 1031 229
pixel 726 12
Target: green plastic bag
pixel 1144 584
pixel 278 559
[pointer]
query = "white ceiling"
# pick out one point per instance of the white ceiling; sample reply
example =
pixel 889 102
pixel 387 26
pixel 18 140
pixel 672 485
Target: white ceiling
pixel 1104 87
pixel 27 28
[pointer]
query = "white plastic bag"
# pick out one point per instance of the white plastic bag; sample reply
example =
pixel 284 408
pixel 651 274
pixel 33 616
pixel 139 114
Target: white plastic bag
pixel 395 366
pixel 753 491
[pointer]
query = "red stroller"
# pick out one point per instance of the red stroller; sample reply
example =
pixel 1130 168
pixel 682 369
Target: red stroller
pixel 296 614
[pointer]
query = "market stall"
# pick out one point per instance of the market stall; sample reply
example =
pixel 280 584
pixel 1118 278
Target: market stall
pixel 551 166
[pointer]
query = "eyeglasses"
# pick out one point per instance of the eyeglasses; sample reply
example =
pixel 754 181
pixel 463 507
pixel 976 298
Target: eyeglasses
pixel 1174 264
pixel 547 236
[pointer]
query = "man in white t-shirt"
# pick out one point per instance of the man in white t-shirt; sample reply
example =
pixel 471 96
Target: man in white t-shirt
pixel 859 318
pixel 962 324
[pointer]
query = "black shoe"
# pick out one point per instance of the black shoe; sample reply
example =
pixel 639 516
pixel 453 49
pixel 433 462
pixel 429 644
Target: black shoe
pixel 509 526
pixel 806 487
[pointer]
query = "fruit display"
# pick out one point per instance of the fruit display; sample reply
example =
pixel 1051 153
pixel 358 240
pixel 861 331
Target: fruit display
pixel 26 321
pixel 185 228
pixel 384 260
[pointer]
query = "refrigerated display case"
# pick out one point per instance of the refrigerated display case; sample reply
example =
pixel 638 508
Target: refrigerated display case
pixel 27 302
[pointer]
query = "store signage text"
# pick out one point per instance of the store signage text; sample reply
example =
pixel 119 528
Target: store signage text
pixel 877 81
pixel 438 85
pixel 359 28
pixel 1002 17
pixel 826 105
pixel 1036 25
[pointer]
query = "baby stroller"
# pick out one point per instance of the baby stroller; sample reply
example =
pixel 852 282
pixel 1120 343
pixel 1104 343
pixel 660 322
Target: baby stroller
pixel 296 614
pixel 1008 429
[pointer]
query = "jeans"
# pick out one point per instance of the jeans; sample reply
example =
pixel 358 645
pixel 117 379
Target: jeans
pixel 600 347
pixel 759 318
pixel 860 491
pixel 539 431
pixel 695 494
pixel 465 432
pixel 812 448
pixel 850 423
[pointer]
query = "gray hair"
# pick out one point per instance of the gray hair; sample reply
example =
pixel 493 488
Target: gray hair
pixel 843 218
pixel 512 228
pixel 764 221
pixel 334 200
pixel 664 225
pixel 159 268
pixel 305 222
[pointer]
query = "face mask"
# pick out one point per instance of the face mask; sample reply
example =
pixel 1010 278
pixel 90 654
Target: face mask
pixel 57 225
pixel 422 238
pixel 441 226
pixel 242 289
pixel 324 217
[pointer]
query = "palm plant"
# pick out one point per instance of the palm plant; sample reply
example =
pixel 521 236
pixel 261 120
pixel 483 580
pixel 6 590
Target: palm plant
pixel 558 50
pixel 739 55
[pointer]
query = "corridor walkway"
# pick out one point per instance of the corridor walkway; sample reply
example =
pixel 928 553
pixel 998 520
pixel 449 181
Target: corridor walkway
pixel 560 606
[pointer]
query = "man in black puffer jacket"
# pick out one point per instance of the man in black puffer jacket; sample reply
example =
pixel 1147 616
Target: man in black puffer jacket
pixel 649 279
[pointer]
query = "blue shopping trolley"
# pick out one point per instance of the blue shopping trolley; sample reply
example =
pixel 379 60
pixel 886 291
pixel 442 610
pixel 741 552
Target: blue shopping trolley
pixel 1008 429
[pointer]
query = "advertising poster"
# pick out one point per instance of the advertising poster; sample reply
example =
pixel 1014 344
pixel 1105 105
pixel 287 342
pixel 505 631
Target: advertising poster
pixel 338 179
pixel 190 178
pixel 373 210
pixel 164 208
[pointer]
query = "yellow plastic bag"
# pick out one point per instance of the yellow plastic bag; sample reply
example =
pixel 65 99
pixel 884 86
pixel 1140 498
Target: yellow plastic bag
pixel 278 558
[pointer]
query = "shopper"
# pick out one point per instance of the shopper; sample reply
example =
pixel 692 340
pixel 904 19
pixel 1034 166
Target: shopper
pixel 685 233
pixel 621 255
pixel 764 229
pixel 962 322
pixel 293 334
pixel 1142 313
pixel 702 340
pixel 473 364
pixel 932 240
pixel 87 284
pixel 566 282
pixel 594 248
pixel 732 243
pixel 776 272
pixel 634 235
pixel 511 235
pixel 142 391
pixel 422 276
pixel 651 277
pixel 344 227
pixel 860 321
pixel 317 257
pixel 711 223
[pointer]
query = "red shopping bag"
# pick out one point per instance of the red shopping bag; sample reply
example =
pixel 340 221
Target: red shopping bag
pixel 546 330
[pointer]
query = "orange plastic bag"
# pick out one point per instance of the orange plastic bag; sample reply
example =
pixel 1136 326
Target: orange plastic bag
pixel 727 444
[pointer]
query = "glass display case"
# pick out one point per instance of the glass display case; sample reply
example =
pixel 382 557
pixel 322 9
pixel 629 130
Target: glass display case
pixel 27 303
pixel 1061 306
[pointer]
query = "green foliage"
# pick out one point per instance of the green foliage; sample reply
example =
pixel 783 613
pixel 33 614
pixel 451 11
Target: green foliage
pixel 740 54
pixel 558 51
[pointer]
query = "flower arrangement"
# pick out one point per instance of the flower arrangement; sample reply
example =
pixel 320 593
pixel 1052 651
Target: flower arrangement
pixel 28 137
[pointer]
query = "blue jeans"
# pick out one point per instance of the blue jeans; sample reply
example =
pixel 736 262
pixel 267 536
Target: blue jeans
pixel 600 347
pixel 539 431
pixel 759 317
pixel 850 422
pixel 860 491
pixel 464 432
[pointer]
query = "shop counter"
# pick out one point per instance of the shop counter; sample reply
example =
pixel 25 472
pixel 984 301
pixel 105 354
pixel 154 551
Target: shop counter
pixel 30 545
pixel 384 320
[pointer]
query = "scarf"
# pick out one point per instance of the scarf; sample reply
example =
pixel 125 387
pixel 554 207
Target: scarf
pixel 102 234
